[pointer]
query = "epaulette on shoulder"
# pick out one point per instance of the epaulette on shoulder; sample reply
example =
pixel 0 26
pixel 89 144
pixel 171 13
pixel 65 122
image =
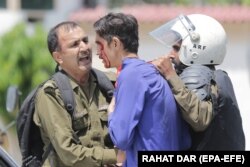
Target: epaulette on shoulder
pixel 49 87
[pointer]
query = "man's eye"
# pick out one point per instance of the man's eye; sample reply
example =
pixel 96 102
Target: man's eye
pixel 75 44
pixel 85 40
pixel 99 46
pixel 176 48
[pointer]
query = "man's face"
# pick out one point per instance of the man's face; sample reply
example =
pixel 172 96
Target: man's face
pixel 179 66
pixel 175 51
pixel 109 53
pixel 103 50
pixel 74 54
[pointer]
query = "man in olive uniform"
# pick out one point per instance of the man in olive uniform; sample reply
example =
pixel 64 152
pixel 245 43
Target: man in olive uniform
pixel 80 140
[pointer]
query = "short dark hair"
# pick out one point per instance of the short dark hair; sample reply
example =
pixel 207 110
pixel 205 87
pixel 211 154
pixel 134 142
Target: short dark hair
pixel 52 38
pixel 122 26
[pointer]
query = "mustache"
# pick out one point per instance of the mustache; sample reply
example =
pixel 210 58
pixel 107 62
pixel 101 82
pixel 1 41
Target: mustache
pixel 84 53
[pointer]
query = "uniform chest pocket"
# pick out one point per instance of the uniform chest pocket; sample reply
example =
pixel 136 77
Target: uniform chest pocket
pixel 81 120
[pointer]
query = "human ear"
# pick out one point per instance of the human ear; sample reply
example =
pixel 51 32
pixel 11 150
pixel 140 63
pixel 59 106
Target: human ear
pixel 57 57
pixel 116 41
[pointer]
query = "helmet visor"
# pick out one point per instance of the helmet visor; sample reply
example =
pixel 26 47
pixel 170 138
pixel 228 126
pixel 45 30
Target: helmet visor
pixel 173 32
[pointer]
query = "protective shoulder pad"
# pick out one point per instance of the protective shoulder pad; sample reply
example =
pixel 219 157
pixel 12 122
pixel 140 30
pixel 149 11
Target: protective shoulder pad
pixel 198 79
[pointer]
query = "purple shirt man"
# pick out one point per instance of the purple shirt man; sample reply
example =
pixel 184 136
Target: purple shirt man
pixel 145 116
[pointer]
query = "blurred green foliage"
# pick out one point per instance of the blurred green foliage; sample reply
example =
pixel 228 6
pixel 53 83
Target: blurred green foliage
pixel 24 61
pixel 245 2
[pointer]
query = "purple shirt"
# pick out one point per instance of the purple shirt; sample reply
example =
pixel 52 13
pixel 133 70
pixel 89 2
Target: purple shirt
pixel 145 115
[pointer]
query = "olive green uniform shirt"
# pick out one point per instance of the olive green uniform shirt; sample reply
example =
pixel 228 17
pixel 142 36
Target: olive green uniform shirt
pixel 92 147
pixel 197 113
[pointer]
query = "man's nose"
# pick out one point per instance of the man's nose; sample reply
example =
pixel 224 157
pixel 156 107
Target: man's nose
pixel 83 45
pixel 173 52
pixel 99 50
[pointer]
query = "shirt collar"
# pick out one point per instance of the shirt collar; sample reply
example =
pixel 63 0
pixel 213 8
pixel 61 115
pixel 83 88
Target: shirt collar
pixel 75 85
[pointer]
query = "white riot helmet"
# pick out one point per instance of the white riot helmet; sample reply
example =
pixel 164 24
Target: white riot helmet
pixel 203 39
